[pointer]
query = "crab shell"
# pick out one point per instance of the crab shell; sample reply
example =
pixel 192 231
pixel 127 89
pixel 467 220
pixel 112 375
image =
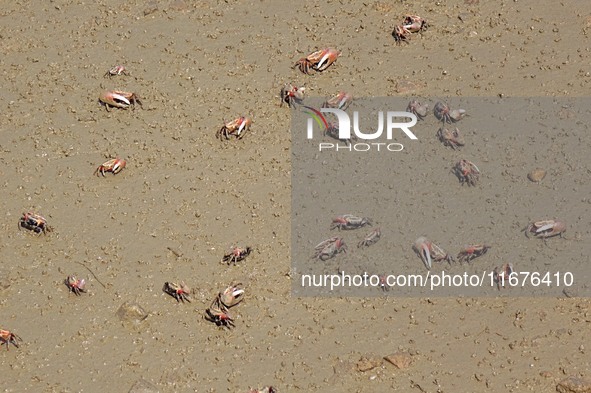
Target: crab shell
pixel 340 101
pixel 292 95
pixel 114 165
pixel 34 222
pixel 7 337
pixel 471 252
pixel 236 127
pixel 414 23
pixel 76 285
pixel 319 60
pixel 420 110
pixel 118 99
pixel 546 228
pixel 349 221
pixel 429 252
pixel 179 292
pixel 453 139
pixel 237 254
pixel 467 172
pixel 371 238
pixel 117 70
pixel 218 314
pixel 330 248
pixel 400 35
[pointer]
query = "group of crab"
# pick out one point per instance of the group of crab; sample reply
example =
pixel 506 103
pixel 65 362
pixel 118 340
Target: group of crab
pixel 231 296
pixel 124 100
pixel 217 312
pixel 10 338
pixel 431 252
pixel 335 245
pixel 318 61
pixel 291 95
pixel 466 171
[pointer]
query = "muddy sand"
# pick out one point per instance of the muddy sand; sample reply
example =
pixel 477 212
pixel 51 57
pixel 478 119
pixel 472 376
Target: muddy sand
pixel 185 197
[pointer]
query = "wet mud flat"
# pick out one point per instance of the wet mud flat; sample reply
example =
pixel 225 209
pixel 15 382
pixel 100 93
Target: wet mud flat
pixel 199 65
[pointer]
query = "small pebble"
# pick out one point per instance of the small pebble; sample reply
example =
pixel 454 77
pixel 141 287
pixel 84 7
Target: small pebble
pixel 537 175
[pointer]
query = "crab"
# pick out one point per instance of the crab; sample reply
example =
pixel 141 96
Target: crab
pixel 414 23
pixel 236 254
pixel 34 222
pixel 400 34
pixel 116 70
pixel 219 314
pixel 449 138
pixel 119 99
pixel 292 95
pixel 371 238
pixel 180 292
pixel 545 228
pixel 447 115
pixel 114 166
pixel 319 60
pixel 330 248
pixel 218 311
pixel 429 251
pixel 236 127
pixel 349 221
pixel 75 285
pixel 7 337
pixel 468 253
pixel 467 172
pixel 501 276
pixel 418 109
pixel 342 100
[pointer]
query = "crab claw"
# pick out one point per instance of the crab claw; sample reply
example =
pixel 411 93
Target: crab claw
pixel 232 295
pixel 115 99
pixel 423 247
pixel 119 99
pixel 457 114
pixel 244 123
pixel 329 55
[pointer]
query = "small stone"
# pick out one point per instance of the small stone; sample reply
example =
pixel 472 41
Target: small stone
pixel 365 364
pixel 131 312
pixel 401 360
pixel 537 175
pixel 574 385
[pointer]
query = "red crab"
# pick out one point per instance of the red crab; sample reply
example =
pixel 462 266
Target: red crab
pixel 114 166
pixel 180 291
pixel 34 222
pixel 8 338
pixel 75 285
pixel 470 252
pixel 429 251
pixel 319 60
